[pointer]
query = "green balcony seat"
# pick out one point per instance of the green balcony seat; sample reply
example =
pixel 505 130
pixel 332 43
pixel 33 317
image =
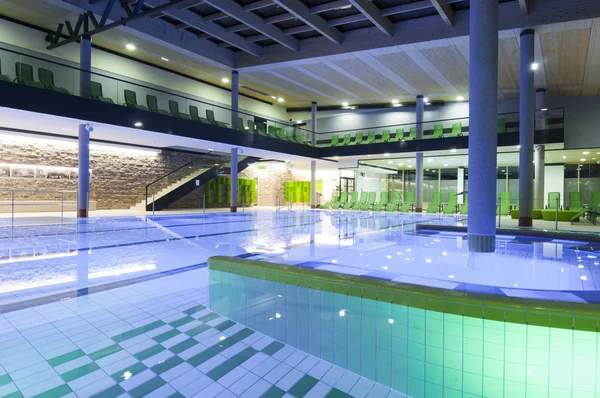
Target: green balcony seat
pixel 450 207
pixel 272 131
pixel 383 201
pixel 301 140
pixel 352 201
pixel 334 141
pixel 25 75
pixel 195 115
pixel 575 202
pixel 250 126
pixel 367 205
pixel 399 136
pixel 347 140
pixel 96 90
pixel 438 131
pixel 174 109
pixel 335 197
pixel 152 103
pixel 501 126
pixel 240 124
pixel 3 78
pixel 131 100
pixel 385 137
pixel 46 77
pixel 281 133
pixel 370 138
pixel 395 202
pixel 364 196
pixel 261 129
pixel 412 134
pixel 291 136
pixel 504 206
pixel 210 116
pixel 408 203
pixel 456 130
pixel 358 139
pixel 436 202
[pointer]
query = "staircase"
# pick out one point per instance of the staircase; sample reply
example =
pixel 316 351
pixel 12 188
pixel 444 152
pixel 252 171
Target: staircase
pixel 184 180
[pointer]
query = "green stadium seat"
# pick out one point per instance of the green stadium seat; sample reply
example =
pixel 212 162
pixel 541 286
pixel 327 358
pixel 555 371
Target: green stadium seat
pixel 408 203
pixel 385 137
pixel 131 100
pixel 504 207
pixel 412 134
pixel 436 202
pixel 501 126
pixel 383 201
pixel 96 89
pixel 347 140
pixel 291 136
pixel 46 77
pixel 456 130
pixel 352 201
pixel 210 115
pixel 438 131
pixel 358 139
pixel 3 78
pixel 364 196
pixel 195 115
pixel 399 136
pixel 25 75
pixel 575 202
pixel 450 207
pixel 174 109
pixel 370 138
pixel 300 138
pixel 152 103
pixel 367 205
pixel 334 141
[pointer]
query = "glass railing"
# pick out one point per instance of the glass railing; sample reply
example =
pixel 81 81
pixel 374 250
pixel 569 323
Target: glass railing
pixel 547 119
pixel 41 73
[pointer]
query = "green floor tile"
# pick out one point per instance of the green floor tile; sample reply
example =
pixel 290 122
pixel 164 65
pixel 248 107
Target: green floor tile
pixel 128 372
pixel 303 386
pixel 167 335
pixel 79 372
pixel 166 365
pixel 202 357
pixel 231 340
pixel 147 387
pixel 138 331
pixel 208 317
pixel 57 392
pixel 273 392
pixel 273 348
pixel 225 325
pixel 111 392
pixel 65 358
pixel 184 345
pixel 335 393
pixel 222 369
pixel 243 355
pixel 194 309
pixel 5 379
pixel 182 321
pixel 105 352
pixel 148 352
pixel 197 330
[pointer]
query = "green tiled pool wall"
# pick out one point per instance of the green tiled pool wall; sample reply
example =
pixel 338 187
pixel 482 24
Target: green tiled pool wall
pixel 415 342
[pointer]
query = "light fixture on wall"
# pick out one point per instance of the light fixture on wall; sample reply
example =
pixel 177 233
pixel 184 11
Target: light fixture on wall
pixel 225 80
pixel 130 46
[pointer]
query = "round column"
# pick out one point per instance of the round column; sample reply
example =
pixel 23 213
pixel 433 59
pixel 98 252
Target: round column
pixel 419 162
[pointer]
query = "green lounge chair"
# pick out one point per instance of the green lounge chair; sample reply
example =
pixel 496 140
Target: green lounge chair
pixel 456 130
pixel 261 129
pixel 352 201
pixel 364 196
pixel 383 201
pixel 152 103
pixel 335 196
pixel 501 126
pixel 552 197
pixel 595 199
pixel 370 138
pixel 367 205
pixel 195 115
pixel 291 136
pixel 210 116
pixel 412 134
pixel 450 207
pixel 300 138
pixel 343 200
pixel 174 109
pixel 25 75
pixel 334 141
pixel 3 78
pixel 464 209
pixel 438 131
pixel 131 100
pixel 408 203
pixel 358 139
pixel 575 202
pixel 96 89
pixel 240 124
pixel 272 131
pixel 347 140
pixel 385 137
pixel 46 77
pixel 399 136
pixel 436 202
pixel 395 202
pixel 504 207
pixel 250 126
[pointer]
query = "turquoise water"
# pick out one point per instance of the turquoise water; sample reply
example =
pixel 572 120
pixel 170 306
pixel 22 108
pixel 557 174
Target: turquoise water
pixel 418 352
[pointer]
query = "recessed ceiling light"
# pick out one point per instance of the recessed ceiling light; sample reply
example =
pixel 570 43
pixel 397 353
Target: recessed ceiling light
pixel 210 149
pixel 225 80
pixel 336 157
pixel 344 104
pixel 425 99
pixel 430 160
pixel 582 160
pixel 544 109
pixel 274 97
pixel 518 146
pixel 564 157
pixel 535 66
pixel 460 98
pixel 280 99
pixel 428 103
pixel 452 150
pixel 138 124
pixel 130 46
pixel 445 164
pixel 386 154
pixel 394 101
pixel 389 161
pixel 165 59
pixel 298 121
pixel 586 153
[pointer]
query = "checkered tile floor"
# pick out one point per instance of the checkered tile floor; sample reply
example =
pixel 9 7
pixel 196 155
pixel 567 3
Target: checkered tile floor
pixel 157 339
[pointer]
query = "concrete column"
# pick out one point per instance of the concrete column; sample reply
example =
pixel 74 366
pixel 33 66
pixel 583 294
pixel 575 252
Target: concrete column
pixel 483 127
pixel 313 125
pixel 540 107
pixel 234 180
pixel 538 192
pixel 526 116
pixel 85 65
pixel 313 184
pixel 460 184
pixel 419 164
pixel 234 100
pixel 83 182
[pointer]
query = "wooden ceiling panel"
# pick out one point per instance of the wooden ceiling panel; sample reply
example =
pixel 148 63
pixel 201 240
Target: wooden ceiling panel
pixel 270 91
pixel 565 53
pixel 369 75
pixel 287 86
pixel 451 63
pixel 308 81
pixel 413 74
pixel 340 80
pixel 508 64
pixel 571 92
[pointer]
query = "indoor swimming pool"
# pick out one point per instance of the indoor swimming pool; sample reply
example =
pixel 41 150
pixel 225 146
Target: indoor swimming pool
pixel 127 307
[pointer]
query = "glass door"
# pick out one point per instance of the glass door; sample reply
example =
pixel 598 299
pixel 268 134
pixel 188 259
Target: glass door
pixel 347 184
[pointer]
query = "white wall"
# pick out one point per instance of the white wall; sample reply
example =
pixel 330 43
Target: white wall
pixel 554 181
pixel 31 41
pixel 371 179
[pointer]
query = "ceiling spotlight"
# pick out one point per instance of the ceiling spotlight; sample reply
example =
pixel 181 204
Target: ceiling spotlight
pixel 344 104
pixel 564 157
pixel 586 153
pixel 280 99
pixel 165 59
pixel 518 146
pixel 445 164
pixel 428 103
pixel 274 97
pixel 425 99
pixel 389 161
pixel 453 150
pixel 460 98
pixel 395 101
pixel 138 124
pixel 130 46
pixel 298 121
pixel 430 160
pixel 535 66
pixel 225 80
pixel 582 160
pixel 336 157
pixel 386 154
pixel 544 109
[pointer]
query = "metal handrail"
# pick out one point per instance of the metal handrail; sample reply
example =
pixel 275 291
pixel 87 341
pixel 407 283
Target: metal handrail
pixel 15 203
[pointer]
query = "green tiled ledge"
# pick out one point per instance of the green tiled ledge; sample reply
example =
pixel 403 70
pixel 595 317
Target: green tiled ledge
pixel 554 314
